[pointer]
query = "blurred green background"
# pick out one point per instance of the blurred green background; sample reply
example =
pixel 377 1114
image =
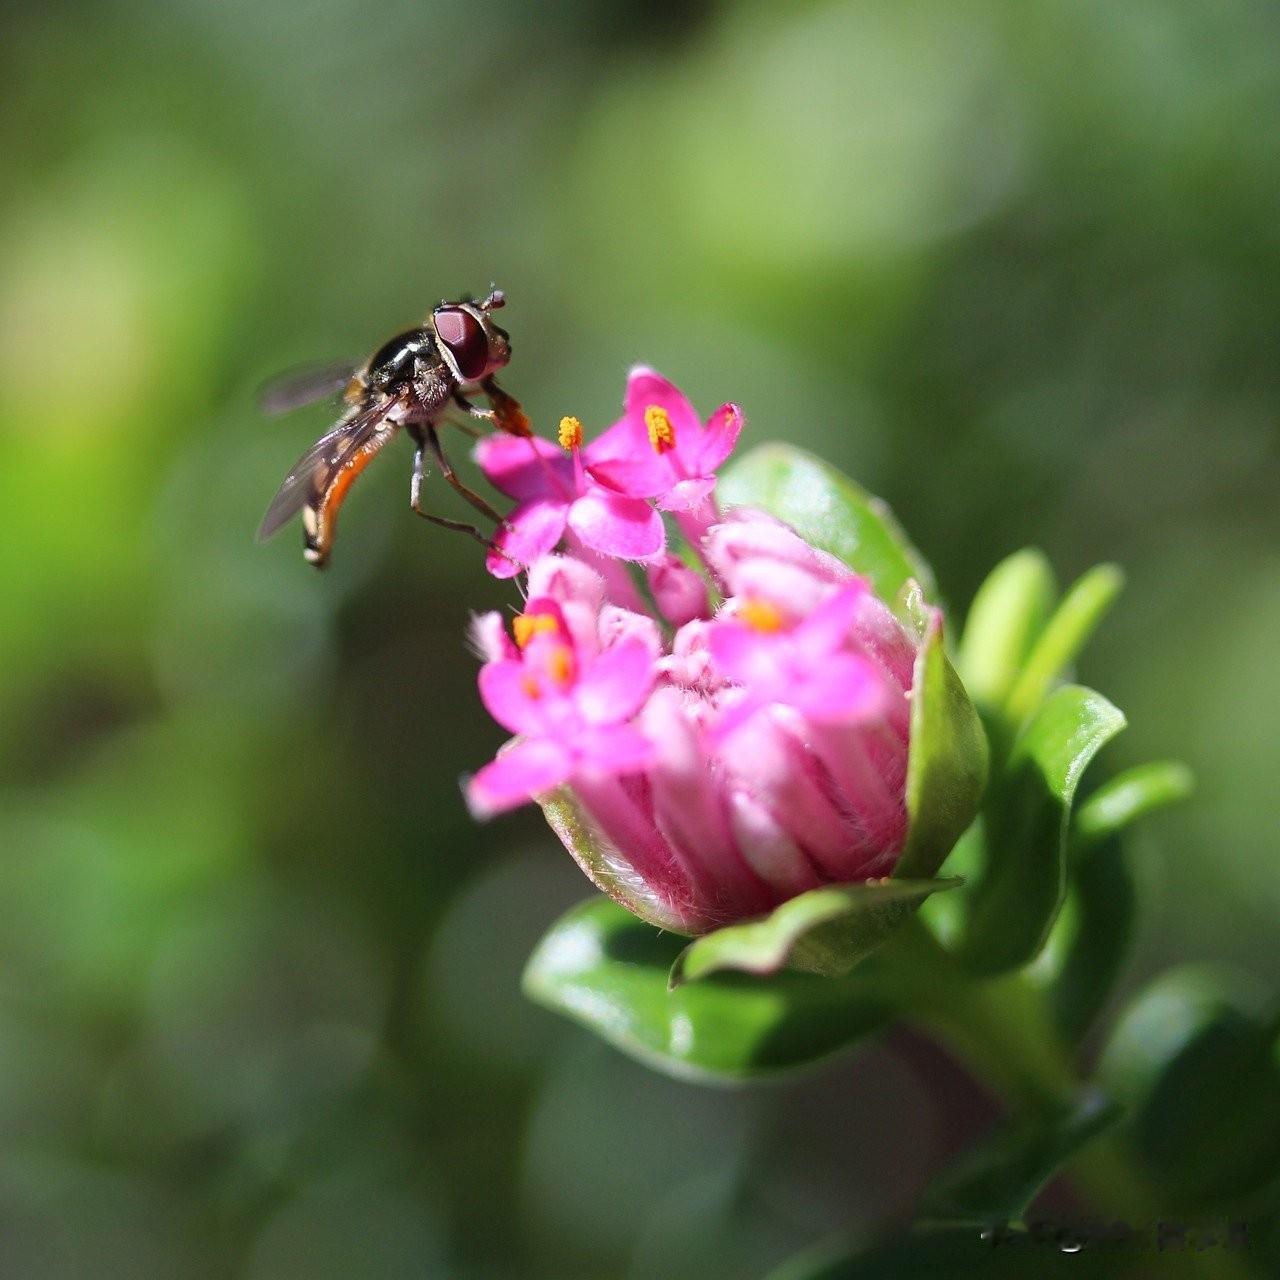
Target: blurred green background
pixel 1013 266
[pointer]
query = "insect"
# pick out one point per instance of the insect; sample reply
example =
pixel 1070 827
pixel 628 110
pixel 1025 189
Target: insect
pixel 411 381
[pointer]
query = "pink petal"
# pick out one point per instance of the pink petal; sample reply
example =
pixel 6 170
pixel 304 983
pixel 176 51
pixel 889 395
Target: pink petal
pixel 641 473
pixel 689 806
pixel 746 537
pixel 843 687
pixel 579 590
pixel 525 467
pixel 744 655
pixel 772 764
pixel 875 800
pixel 505 693
pixel 718 438
pixel 687 495
pixel 616 749
pixel 533 529
pixel 768 849
pixel 615 625
pixel 522 771
pixel 566 579
pixel 737 709
pixel 796 591
pixel 624 527
pixel 489 637
pixel 646 386
pixel 831 624
pixel 614 687
pixel 643 870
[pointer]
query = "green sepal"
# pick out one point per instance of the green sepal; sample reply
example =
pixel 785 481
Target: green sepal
pixel 607 970
pixel 947 764
pixel 830 512
pixel 825 931
pixel 1023 883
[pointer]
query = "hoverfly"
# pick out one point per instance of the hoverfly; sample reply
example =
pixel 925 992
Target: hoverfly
pixel 410 381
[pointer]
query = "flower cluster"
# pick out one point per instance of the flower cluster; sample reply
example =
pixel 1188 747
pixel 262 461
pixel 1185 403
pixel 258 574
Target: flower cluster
pixel 731 729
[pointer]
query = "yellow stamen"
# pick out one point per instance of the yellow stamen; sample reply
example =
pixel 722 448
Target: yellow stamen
pixel 562 665
pixel 760 615
pixel 527 625
pixel 531 687
pixel 570 433
pixel 662 432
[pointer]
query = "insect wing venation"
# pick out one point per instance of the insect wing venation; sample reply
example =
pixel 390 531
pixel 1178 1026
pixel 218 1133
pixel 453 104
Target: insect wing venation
pixel 305 385
pixel 316 470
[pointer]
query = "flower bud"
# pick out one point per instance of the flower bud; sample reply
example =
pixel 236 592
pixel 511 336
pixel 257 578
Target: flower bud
pixel 757 754
pixel 680 594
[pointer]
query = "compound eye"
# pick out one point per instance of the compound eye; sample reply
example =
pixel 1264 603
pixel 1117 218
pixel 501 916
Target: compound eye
pixel 460 331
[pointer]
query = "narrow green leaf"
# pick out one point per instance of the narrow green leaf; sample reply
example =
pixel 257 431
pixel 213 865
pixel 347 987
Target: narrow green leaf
pixel 830 511
pixel 825 931
pixel 1129 796
pixel 947 765
pixel 1195 1059
pixel 1017 898
pixel 1000 1178
pixel 1005 619
pixel 601 966
pixel 1064 635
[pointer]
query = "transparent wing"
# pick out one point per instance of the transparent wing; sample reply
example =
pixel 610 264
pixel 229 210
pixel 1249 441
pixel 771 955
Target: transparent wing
pixel 304 385
pixel 315 471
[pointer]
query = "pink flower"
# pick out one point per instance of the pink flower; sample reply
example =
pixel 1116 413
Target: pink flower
pixel 660 448
pixel 569 707
pixel 554 493
pixel 755 755
pixel 801 662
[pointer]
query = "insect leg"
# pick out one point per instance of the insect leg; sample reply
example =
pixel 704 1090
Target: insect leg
pixel 433 442
pixel 415 502
pixel 485 415
pixel 508 415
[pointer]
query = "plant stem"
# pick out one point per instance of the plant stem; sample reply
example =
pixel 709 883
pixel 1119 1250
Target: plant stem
pixel 1001 1029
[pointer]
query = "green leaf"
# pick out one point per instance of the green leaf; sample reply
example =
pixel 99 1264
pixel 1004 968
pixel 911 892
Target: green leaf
pixel 1195 1058
pixel 966 1250
pixel 828 510
pixel 1015 901
pixel 825 931
pixel 608 970
pixel 947 765
pixel 1004 1174
pixel 1129 796
pixel 1091 938
pixel 1064 635
pixel 1006 617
